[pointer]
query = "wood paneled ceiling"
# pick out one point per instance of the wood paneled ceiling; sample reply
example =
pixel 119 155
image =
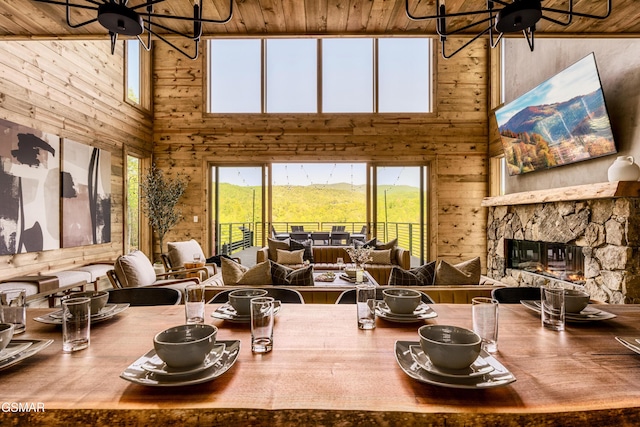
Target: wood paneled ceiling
pixel 27 18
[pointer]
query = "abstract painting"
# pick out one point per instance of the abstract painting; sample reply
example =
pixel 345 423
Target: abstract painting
pixel 29 189
pixel 86 195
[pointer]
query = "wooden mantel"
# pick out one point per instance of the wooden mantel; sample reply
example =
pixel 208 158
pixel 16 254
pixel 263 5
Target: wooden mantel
pixel 605 190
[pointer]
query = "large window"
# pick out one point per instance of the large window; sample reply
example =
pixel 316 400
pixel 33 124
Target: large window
pixel 132 236
pixel 137 75
pixel 344 75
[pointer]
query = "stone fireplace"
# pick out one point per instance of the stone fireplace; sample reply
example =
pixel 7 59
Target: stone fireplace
pixel 601 220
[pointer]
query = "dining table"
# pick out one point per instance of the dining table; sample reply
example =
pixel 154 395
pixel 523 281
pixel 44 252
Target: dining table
pixel 323 370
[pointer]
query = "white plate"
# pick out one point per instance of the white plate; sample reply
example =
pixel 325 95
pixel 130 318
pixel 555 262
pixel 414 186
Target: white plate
pixel 157 366
pixel 589 314
pixel 13 348
pixel 631 343
pixel 500 376
pixel 55 318
pixel 228 313
pixel 479 367
pixel 35 347
pixel 136 374
pixel 429 313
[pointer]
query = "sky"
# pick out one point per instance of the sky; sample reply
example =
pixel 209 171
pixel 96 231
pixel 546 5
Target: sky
pixel 320 173
pixel 578 79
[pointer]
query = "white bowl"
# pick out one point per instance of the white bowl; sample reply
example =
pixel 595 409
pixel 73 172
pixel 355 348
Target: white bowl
pixel 450 347
pixel 402 301
pixel 185 345
pixel 6 333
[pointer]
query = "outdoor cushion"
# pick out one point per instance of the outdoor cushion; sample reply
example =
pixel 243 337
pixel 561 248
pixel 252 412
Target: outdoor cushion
pixel 283 275
pixel 307 245
pixel 289 257
pixel 274 245
pixel 234 273
pixel 381 256
pixel 465 273
pixel 368 244
pixel 181 252
pixel 134 269
pixel 419 276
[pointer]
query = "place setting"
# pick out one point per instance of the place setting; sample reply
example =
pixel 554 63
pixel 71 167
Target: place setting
pixel 101 310
pixel 632 343
pixel 238 308
pixel 13 351
pixel 403 306
pixel 183 355
pixel 576 306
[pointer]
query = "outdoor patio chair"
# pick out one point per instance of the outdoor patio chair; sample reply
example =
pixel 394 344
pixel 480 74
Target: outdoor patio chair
pixel 284 295
pixel 362 235
pixel 299 235
pixel 514 294
pixel 278 236
pixel 295 228
pixel 180 253
pixel 145 296
pixel 135 270
pixel 349 297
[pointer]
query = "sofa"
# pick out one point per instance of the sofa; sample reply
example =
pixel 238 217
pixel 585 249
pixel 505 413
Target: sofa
pixel 325 258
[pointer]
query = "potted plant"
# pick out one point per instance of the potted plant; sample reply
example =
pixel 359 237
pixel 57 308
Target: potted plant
pixel 160 197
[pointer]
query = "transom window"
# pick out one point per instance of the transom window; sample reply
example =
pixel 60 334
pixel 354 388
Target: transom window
pixel 306 75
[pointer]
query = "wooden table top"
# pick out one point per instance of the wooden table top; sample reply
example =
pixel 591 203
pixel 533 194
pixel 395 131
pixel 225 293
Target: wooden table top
pixel 322 364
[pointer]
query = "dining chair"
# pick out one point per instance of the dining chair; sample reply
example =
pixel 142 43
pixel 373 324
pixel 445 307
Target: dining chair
pixel 514 294
pixel 295 228
pixel 284 295
pixel 349 297
pixel 362 235
pixel 145 296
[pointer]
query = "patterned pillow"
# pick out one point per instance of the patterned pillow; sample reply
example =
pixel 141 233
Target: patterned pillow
pixel 234 273
pixel 290 257
pixel 381 257
pixel 465 273
pixel 307 245
pixel 274 245
pixel 283 275
pixel 368 244
pixel 419 276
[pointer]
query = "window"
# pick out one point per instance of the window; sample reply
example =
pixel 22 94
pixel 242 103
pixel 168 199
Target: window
pixel 137 75
pixel 133 204
pixel 342 75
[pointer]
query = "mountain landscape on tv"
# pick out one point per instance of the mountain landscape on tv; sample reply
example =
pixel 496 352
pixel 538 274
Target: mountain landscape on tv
pixel 549 135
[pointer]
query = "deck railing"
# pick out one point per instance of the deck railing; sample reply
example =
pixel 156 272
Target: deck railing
pixel 236 236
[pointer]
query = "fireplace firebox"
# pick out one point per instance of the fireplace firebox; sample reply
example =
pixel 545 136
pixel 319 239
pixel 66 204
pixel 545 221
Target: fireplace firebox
pixel 556 260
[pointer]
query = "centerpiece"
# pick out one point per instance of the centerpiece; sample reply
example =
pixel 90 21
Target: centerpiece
pixel 359 256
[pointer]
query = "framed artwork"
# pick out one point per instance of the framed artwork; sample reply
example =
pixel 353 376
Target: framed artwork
pixel 29 189
pixel 86 195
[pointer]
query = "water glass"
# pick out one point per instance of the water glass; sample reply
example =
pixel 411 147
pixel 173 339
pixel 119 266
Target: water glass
pixel 552 307
pixel 366 302
pixel 194 303
pixel 262 317
pixel 340 262
pixel 13 304
pixel 76 324
pixel 484 312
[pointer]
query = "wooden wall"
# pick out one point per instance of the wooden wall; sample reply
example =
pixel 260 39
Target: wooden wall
pixel 73 89
pixel 453 141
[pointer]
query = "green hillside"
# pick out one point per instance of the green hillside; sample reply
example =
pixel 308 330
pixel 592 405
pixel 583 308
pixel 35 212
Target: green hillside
pixel 318 203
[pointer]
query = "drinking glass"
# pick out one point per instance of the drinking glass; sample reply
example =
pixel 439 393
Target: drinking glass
pixel 194 303
pixel 485 322
pixel 552 307
pixel 262 315
pixel 196 258
pixel 366 304
pixel 13 308
pixel 340 262
pixel 76 324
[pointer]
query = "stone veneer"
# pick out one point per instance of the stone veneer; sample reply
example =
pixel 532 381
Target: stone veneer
pixel 608 229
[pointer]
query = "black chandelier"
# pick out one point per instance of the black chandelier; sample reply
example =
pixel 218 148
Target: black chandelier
pixel 119 18
pixel 501 17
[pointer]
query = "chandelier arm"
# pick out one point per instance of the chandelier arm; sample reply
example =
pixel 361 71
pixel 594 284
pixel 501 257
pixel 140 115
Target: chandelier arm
pixel 580 14
pixel 530 41
pixel 438 15
pixel 146 4
pixel 114 39
pixel 171 30
pixel 81 24
pixel 194 57
pixel 477 36
pixel 466 27
pixel 66 3
pixel 147 45
pixel 200 18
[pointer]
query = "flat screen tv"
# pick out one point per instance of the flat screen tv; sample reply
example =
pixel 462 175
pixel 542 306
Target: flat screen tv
pixel 563 120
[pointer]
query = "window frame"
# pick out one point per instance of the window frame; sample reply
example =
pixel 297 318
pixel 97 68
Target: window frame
pixel 145 69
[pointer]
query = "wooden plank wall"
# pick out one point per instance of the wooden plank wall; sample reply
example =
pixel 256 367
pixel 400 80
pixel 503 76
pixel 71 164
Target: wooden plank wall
pixel 73 89
pixel 453 141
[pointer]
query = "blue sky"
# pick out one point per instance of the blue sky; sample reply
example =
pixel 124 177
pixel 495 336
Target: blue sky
pixel 578 79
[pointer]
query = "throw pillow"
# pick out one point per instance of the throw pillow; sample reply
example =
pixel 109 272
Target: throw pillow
pixel 181 252
pixel 368 244
pixel 419 276
pixel 381 257
pixel 290 257
pixel 465 273
pixel 234 273
pixel 391 244
pixel 274 245
pixel 307 245
pixel 134 269
pixel 283 275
